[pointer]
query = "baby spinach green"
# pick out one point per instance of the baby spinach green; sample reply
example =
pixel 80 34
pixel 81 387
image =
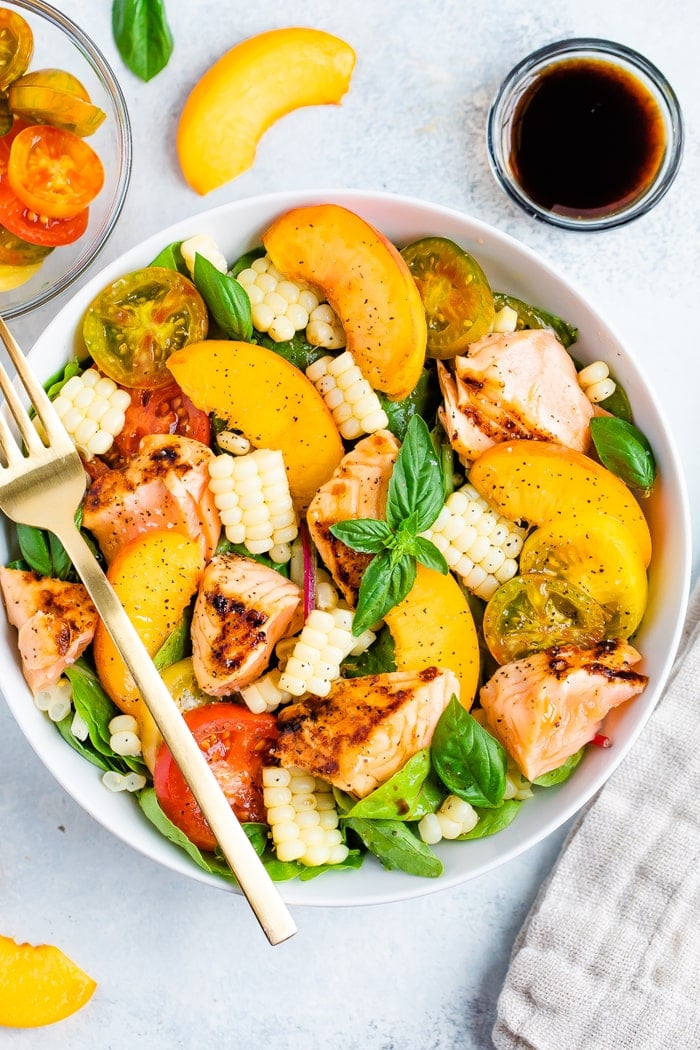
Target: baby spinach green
pixel 295 350
pixel 226 299
pixel 149 805
pixel 176 646
pixel 142 35
pixel 56 383
pixel 469 761
pixel 171 258
pixel 96 710
pixel 246 260
pixel 535 317
pixel 422 401
pixel 414 500
pixel 377 659
pixel 43 552
pixel 625 451
pixel 396 846
pixel 492 821
pixel 408 795
pixel 562 772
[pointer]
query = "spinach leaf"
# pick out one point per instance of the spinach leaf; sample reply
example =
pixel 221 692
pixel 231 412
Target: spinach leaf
pixel 227 300
pixel 422 401
pixel 85 749
pixel 493 820
pixel 535 317
pixel 225 546
pixel 44 553
pixel 97 710
pixel 396 846
pixel 295 350
pixel 149 804
pixel 55 385
pixel 171 258
pixel 469 761
pixel 625 451
pixel 408 795
pixel 562 772
pixel 245 260
pixel 175 647
pixel 142 35
pixel 377 659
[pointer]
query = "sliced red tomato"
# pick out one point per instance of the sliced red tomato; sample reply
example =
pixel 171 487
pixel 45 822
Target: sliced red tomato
pixel 16 46
pixel 6 144
pixel 164 410
pixel 237 744
pixel 35 228
pixel 54 172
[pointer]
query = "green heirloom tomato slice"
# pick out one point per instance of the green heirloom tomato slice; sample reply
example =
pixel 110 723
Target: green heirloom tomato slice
pixel 43 104
pixel 536 611
pixel 133 326
pixel 14 251
pixel 455 291
pixel 16 46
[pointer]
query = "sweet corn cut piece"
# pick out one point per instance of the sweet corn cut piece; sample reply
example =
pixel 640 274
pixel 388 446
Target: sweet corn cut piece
pixel 265 694
pixel 455 817
pixel 325 640
pixel 355 406
pixel 92 409
pixel 302 816
pixel 203 244
pixel 278 306
pixel 596 383
pixel 479 545
pixel 252 495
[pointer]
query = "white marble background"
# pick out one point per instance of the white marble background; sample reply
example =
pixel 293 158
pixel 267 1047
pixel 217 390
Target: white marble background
pixel 179 964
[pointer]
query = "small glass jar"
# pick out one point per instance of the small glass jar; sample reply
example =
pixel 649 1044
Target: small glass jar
pixel 585 134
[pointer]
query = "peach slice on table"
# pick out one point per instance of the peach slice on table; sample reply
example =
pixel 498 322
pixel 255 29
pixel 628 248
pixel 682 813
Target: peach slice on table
pixel 270 401
pixel 366 281
pixel 539 480
pixel 155 577
pixel 250 87
pixel 39 985
pixel 433 626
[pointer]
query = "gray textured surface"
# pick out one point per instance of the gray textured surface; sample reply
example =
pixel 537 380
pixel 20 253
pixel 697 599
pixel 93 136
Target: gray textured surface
pixel 178 963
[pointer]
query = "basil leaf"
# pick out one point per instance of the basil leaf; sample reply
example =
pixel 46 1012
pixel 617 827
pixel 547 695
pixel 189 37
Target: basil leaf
pixel 227 300
pixel 408 795
pixel 469 761
pixel 142 35
pixel 624 450
pixel 415 487
pixel 562 772
pixel 377 659
pixel 363 534
pixel 171 258
pixel 427 554
pixel 62 566
pixel 175 647
pixel 385 582
pixel 493 820
pixel 396 846
pixel 34 548
pixel 535 317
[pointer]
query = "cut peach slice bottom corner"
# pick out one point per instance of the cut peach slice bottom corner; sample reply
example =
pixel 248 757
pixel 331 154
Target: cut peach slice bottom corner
pixel 39 985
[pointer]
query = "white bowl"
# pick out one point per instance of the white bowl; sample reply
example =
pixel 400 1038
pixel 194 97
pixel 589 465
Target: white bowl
pixel 511 267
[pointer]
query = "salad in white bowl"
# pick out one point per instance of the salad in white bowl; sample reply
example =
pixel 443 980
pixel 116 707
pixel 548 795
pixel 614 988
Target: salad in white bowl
pixel 398 520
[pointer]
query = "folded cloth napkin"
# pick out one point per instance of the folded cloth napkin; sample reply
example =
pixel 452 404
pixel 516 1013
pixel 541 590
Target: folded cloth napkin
pixel 609 956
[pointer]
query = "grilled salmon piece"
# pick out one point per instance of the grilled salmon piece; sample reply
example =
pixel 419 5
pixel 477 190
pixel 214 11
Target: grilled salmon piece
pixel 357 489
pixel 55 620
pixel 166 485
pixel 366 728
pixel 545 707
pixel 242 610
pixel 514 385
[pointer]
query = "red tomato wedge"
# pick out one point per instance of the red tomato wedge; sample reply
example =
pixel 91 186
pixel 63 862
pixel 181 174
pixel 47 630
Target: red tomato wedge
pixel 237 744
pixel 165 410
pixel 38 229
pixel 54 172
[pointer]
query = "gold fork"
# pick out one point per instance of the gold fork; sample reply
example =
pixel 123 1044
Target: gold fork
pixel 42 485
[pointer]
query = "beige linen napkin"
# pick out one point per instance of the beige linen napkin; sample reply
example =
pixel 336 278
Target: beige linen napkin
pixel 609 956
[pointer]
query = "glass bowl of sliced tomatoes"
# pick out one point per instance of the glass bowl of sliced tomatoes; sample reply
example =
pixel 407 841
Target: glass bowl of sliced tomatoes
pixel 65 153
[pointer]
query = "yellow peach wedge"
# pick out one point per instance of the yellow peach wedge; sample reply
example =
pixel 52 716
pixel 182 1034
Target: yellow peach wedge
pixel 250 87
pixel 536 481
pixel 368 284
pixel 270 401
pixel 39 985
pixel 433 626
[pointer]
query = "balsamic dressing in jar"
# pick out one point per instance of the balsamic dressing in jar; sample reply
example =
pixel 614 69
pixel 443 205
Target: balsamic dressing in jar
pixel 587 138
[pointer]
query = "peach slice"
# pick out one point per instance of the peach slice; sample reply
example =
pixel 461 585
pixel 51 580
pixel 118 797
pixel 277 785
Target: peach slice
pixel 39 985
pixel 539 480
pixel 433 626
pixel 368 284
pixel 261 394
pixel 247 90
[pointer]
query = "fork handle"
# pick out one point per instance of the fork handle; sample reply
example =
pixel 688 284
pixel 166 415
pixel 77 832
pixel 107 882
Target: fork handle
pixel 252 877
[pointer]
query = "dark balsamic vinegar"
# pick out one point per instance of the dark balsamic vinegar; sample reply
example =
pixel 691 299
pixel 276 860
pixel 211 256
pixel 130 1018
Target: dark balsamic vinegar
pixel 587 139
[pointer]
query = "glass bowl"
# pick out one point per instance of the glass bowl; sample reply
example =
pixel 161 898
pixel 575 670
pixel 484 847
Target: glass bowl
pixel 60 43
pixel 585 134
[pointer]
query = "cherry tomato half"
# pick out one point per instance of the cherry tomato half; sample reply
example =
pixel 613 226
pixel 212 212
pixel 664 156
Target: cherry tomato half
pixel 134 324
pixel 237 744
pixel 535 611
pixel 165 410
pixel 53 172
pixel 35 228
pixel 455 291
pixel 53 96
pixel 16 252
pixel 6 141
pixel 16 46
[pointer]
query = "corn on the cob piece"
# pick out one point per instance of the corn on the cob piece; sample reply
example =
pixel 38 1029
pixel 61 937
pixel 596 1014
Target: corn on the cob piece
pixel 455 817
pixel 233 442
pixel 265 694
pixel 278 306
pixel 124 738
pixel 596 383
pixel 114 781
pixel 302 816
pixel 56 700
pixel 355 406
pixel 252 495
pixel 506 320
pixel 91 407
pixel 325 640
pixel 478 544
pixel 324 328
pixel 205 245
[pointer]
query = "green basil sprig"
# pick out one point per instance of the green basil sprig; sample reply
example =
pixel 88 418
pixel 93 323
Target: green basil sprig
pixel 414 500
pixel 625 451
pixel 469 761
pixel 226 298
pixel 142 35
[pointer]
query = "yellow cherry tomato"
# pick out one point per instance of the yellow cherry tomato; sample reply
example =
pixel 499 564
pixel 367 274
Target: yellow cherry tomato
pixel 16 46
